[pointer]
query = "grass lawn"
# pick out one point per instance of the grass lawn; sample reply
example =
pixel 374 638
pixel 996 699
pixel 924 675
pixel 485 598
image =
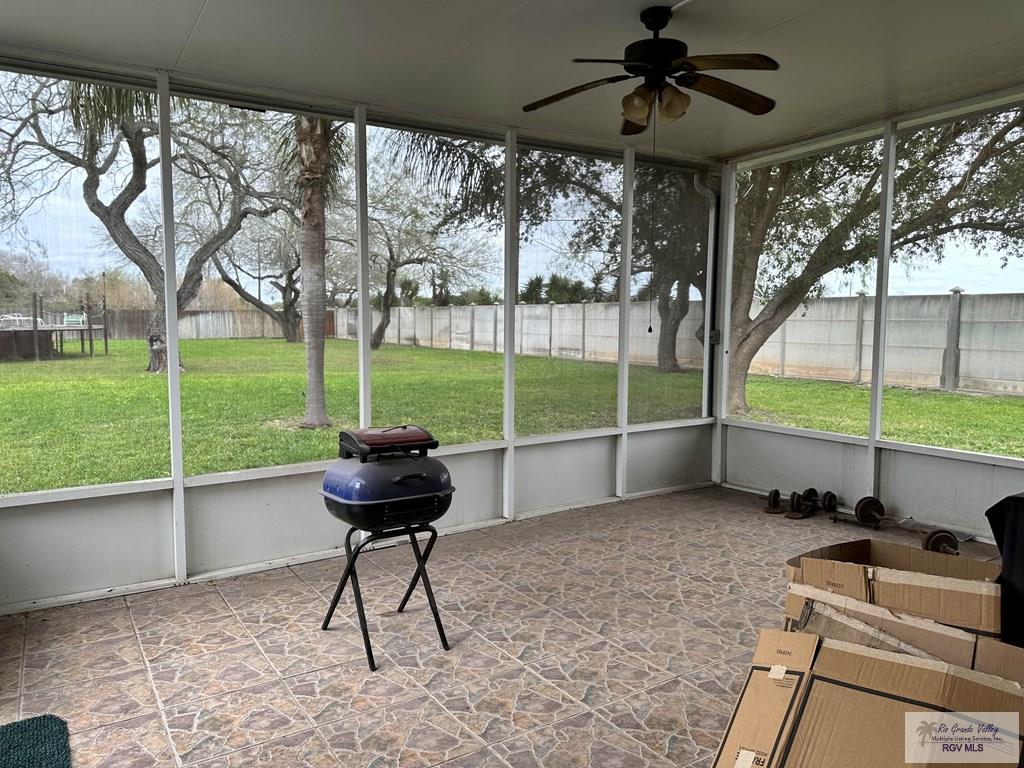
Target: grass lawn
pixel 81 421
pixel 968 422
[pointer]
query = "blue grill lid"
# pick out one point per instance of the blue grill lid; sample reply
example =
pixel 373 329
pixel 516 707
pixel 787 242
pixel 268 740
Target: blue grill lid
pixel 388 478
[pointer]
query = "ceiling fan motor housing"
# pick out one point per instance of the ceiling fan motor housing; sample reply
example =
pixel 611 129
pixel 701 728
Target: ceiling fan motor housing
pixel 656 17
pixel 653 53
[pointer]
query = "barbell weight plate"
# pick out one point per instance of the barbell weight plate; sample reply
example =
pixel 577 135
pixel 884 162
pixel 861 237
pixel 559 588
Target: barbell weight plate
pixel 941 540
pixel 829 502
pixel 869 511
pixel 775 498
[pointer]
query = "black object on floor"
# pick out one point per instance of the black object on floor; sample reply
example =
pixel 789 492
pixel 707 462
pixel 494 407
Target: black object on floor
pixel 388 492
pixel 1006 518
pixel 39 742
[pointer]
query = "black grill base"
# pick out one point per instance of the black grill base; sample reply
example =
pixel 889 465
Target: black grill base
pixel 410 530
pixel 390 514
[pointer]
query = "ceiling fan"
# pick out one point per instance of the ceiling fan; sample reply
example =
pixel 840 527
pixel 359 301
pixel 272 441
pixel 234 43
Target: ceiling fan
pixel 660 59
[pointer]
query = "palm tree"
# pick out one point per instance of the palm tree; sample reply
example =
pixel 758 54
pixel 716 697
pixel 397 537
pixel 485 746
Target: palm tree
pixel 926 730
pixel 316 152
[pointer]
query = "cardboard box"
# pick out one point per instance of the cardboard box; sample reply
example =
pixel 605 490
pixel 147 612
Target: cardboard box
pixel 952 590
pixel 891 631
pixel 809 609
pixel 856 699
pixel 760 724
pixel 836 703
pixel 996 658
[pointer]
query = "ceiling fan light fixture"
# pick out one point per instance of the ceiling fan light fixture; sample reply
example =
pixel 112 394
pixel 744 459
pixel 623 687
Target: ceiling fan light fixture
pixel 672 103
pixel 636 105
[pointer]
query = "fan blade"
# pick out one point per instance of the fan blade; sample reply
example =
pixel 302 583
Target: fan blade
pixel 629 128
pixel 724 61
pixel 573 91
pixel 730 93
pixel 620 62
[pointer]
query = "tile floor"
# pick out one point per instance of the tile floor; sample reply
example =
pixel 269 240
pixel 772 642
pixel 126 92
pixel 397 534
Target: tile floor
pixel 609 637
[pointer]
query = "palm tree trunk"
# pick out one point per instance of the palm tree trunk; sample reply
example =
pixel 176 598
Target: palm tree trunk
pixel 312 138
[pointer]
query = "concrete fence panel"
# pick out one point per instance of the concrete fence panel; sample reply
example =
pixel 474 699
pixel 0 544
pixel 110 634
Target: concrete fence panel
pixel 992 343
pixel 953 341
pixel 915 340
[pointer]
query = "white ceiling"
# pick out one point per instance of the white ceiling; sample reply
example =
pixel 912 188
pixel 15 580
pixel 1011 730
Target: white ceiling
pixel 843 62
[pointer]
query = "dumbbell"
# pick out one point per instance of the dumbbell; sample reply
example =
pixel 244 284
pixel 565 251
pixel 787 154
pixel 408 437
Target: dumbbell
pixel 774 499
pixel 803 505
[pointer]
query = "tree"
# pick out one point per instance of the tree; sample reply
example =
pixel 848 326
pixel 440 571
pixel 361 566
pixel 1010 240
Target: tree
pixel 795 222
pixel 414 235
pixel 34 274
pixel 268 256
pixel 408 290
pixel 315 172
pixel 122 288
pixel 670 226
pixel 478 296
pixel 798 221
pixel 11 288
pixel 533 291
pixel 105 138
pixel 564 290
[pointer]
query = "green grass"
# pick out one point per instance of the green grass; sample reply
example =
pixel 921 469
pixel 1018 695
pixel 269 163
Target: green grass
pixel 967 422
pixel 81 421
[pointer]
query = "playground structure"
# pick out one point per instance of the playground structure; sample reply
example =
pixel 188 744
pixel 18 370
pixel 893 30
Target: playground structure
pixel 42 334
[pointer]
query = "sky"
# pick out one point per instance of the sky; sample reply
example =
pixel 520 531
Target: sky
pixel 74 243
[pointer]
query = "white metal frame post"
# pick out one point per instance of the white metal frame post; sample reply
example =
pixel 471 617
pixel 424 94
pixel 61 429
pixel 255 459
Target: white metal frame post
pixel 363 276
pixel 710 286
pixel 881 303
pixel 723 303
pixel 625 274
pixel 508 496
pixel 171 314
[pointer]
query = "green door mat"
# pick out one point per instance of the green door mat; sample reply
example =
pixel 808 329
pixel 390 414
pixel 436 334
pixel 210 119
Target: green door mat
pixel 39 742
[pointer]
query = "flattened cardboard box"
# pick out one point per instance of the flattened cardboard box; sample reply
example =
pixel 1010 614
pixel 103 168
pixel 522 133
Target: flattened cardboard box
pixel 952 590
pixel 847 707
pixel 996 658
pixel 853 709
pixel 764 714
pixel 924 637
pixel 929 638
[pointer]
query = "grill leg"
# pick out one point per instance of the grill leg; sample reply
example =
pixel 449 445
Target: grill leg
pixel 349 564
pixel 416 575
pixel 362 622
pixel 421 569
pixel 350 571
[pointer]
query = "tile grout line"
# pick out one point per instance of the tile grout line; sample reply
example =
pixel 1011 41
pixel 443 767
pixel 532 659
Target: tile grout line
pixel 152 685
pixel 280 678
pixel 20 706
pixel 162 710
pixel 277 675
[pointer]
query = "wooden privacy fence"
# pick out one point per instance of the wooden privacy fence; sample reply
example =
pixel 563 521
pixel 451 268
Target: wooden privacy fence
pixel 204 324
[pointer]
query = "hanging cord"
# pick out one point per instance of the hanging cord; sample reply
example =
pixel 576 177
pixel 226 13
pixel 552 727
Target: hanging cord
pixel 654 157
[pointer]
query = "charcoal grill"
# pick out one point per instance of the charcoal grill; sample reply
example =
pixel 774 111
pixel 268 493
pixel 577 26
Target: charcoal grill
pixel 386 486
